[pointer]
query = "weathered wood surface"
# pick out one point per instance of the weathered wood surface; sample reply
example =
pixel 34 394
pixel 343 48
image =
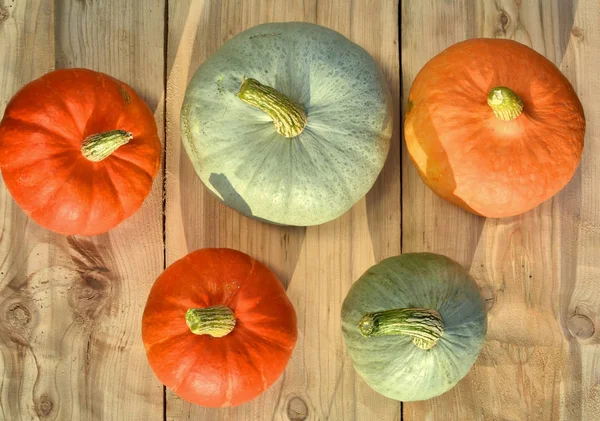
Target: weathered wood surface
pixel 317 264
pixel 540 272
pixel 70 307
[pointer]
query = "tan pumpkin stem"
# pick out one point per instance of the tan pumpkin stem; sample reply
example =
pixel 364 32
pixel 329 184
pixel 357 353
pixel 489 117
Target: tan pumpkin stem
pixel 288 116
pixel 424 325
pixel 99 146
pixel 216 321
pixel 506 104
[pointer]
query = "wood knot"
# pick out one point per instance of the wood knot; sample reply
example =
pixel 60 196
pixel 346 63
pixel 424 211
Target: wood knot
pixel 44 407
pixel 577 32
pixel 89 296
pixel 503 20
pixel 17 317
pixel 3 13
pixel 581 326
pixel 296 409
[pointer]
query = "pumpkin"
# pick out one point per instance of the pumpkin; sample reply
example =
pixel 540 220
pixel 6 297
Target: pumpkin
pixel 494 127
pixel 218 328
pixel 414 325
pixel 288 123
pixel 78 151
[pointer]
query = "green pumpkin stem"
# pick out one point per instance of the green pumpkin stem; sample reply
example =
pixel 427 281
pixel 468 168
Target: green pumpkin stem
pixel 99 146
pixel 288 116
pixel 424 325
pixel 505 103
pixel 216 321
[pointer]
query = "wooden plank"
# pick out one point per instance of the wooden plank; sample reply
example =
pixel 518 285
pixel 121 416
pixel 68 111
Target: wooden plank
pixel 70 307
pixel 317 264
pixel 27 48
pixel 578 251
pixel 539 271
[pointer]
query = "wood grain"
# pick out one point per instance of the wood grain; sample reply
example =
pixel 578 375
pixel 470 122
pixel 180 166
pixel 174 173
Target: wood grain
pixel 537 271
pixel 317 264
pixel 70 307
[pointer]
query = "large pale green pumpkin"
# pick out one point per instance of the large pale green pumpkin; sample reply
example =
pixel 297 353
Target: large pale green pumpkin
pixel 289 123
pixel 414 325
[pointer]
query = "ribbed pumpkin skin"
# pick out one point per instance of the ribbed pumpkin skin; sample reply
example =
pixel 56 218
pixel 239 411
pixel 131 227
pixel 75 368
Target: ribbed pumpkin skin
pixel 393 365
pixel 468 156
pixel 41 134
pixel 226 371
pixel 308 179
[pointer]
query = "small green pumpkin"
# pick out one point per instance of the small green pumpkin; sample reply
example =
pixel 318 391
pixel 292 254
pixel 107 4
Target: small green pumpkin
pixel 414 325
pixel 289 123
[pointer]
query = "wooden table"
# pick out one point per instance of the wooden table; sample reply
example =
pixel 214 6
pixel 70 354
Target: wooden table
pixel 70 307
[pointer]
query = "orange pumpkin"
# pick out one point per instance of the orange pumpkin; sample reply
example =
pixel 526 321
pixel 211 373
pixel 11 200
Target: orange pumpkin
pixel 494 127
pixel 78 151
pixel 218 328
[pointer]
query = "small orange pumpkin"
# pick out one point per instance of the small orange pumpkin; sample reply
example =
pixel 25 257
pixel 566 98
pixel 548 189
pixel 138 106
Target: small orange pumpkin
pixel 494 127
pixel 218 328
pixel 78 151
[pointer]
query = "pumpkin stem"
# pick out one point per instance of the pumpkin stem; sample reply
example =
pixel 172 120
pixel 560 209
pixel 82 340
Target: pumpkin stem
pixel 288 116
pixel 424 325
pixel 216 321
pixel 505 103
pixel 98 146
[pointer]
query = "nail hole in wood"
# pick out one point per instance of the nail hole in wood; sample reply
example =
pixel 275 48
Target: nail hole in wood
pixel 487 293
